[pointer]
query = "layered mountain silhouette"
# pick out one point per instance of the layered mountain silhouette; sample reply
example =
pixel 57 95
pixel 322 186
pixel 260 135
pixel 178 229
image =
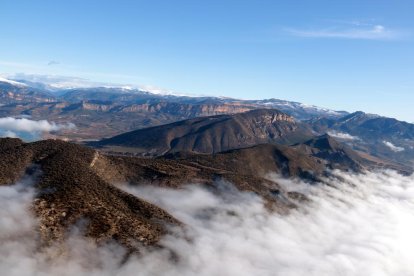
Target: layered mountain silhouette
pixel 76 184
pixel 383 137
pixel 215 134
pixel 101 112
pixel 16 93
pixel 211 134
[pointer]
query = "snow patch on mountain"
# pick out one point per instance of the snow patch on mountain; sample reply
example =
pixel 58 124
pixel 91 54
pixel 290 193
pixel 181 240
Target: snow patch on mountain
pixel 12 82
pixel 56 82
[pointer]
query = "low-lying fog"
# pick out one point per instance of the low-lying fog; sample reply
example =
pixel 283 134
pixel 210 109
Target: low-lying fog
pixel 361 225
pixel 29 130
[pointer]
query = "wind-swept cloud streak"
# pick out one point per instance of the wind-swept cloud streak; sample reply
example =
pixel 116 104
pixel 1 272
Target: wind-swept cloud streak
pixel 53 62
pixel 343 135
pixel 373 32
pixel 393 147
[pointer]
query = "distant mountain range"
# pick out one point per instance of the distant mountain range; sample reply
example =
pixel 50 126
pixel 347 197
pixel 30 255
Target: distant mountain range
pixel 12 92
pixel 141 138
pixel 210 134
pixel 214 134
pixel 103 112
pixel 386 138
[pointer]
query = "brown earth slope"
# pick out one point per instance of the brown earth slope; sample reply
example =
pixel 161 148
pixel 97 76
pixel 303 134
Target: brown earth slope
pixel 210 134
pixel 78 184
pixel 69 191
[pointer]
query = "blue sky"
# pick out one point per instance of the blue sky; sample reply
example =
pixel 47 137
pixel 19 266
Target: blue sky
pixel 350 55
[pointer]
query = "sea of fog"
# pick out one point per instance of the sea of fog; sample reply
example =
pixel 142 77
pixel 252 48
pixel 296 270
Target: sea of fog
pixel 353 225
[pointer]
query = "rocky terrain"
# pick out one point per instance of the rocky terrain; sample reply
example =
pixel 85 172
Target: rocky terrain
pixel 210 134
pixel 16 93
pixel 102 112
pixel 78 185
pixel 385 138
pixel 382 139
pixel 69 192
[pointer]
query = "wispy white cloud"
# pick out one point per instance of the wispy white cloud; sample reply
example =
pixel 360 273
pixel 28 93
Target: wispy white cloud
pixel 342 135
pixel 56 81
pixel 356 31
pixel 14 68
pixel 28 129
pixel 53 62
pixel 393 147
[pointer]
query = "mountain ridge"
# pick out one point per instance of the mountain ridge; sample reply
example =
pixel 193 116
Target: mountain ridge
pixel 209 134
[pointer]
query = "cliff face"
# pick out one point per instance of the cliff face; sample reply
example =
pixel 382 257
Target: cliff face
pixel 97 119
pixel 10 94
pixel 105 112
pixel 162 108
pixel 186 110
pixel 84 105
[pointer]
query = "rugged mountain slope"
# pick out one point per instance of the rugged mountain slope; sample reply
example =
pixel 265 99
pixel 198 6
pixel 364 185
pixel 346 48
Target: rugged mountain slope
pixel 119 95
pixel 99 119
pixel 259 160
pixel 383 137
pixel 131 96
pixel 101 112
pixel 210 134
pixel 73 185
pixel 309 160
pixel 299 110
pixel 336 155
pixel 12 93
pixel 76 185
pixel 68 192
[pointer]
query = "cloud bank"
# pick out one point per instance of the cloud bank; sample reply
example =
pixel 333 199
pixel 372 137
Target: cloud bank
pixel 359 225
pixel 28 129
